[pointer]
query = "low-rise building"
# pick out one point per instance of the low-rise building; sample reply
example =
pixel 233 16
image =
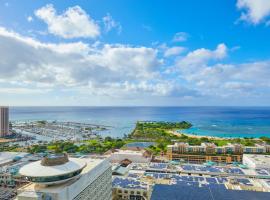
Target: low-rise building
pixel 210 152
pixel 255 149
pixel 134 156
pixel 204 153
pixel 6 158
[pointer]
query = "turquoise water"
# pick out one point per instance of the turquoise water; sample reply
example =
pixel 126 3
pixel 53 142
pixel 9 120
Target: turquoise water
pixel 212 121
pixel 140 144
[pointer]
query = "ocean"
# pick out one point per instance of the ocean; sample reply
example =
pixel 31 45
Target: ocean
pixel 210 121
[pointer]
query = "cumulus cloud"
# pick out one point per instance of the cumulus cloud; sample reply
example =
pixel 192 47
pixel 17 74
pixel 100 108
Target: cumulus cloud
pixel 223 80
pixel 73 65
pixel 203 56
pixel 126 71
pixel 254 11
pixel 180 37
pixel 110 23
pixel 73 23
pixel 172 51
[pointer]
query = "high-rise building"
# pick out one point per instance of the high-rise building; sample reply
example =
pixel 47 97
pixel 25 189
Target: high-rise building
pixel 57 177
pixel 4 121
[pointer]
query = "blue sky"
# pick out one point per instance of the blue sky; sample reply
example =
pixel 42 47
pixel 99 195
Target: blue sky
pixel 123 52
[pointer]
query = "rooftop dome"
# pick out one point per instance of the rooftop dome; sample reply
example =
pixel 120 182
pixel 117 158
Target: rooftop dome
pixel 53 169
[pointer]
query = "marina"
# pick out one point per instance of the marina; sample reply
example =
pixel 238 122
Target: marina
pixel 55 130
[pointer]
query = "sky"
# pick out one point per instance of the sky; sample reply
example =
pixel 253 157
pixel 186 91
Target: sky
pixel 135 53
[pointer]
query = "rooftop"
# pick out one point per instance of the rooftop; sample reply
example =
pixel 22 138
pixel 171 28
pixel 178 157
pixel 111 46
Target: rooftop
pixel 90 165
pixel 259 159
pixel 131 152
pixel 213 192
pixel 128 183
pixel 6 157
pixel 37 169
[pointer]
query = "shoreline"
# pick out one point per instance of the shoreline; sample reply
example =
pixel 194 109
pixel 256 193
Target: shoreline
pixel 177 133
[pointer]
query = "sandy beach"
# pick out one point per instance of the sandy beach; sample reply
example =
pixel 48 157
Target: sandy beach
pixel 201 136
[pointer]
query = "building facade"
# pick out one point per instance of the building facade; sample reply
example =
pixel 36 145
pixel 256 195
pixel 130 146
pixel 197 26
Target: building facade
pixel 130 194
pixel 4 121
pixel 210 152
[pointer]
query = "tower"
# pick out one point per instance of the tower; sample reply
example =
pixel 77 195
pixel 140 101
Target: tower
pixel 4 121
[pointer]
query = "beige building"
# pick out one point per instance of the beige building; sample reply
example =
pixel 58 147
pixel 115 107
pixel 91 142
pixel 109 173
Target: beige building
pixel 4 121
pixel 210 152
pixel 204 153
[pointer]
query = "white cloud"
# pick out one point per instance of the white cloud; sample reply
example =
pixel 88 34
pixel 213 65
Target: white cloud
pixel 19 90
pixel 203 56
pixel 172 51
pixel 29 18
pixel 203 71
pixel 180 37
pixel 254 11
pixel 73 23
pixel 110 23
pixel 125 72
pixel 70 65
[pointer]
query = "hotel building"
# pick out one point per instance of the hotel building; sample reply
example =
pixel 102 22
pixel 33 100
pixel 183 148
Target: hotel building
pixel 58 177
pixel 4 121
pixel 210 152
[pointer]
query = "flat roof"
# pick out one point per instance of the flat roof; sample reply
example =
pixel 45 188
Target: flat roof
pixel 128 183
pixel 6 157
pixel 178 192
pixel 259 159
pixel 130 152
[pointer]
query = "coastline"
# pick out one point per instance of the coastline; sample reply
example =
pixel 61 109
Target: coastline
pixel 179 133
pixel 255 124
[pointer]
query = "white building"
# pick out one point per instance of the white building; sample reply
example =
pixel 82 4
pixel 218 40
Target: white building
pixel 257 161
pixel 62 178
pixel 134 156
pixel 8 157
pixel 4 121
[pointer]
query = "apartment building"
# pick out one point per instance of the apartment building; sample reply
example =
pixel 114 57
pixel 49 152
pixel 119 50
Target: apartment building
pixel 210 152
